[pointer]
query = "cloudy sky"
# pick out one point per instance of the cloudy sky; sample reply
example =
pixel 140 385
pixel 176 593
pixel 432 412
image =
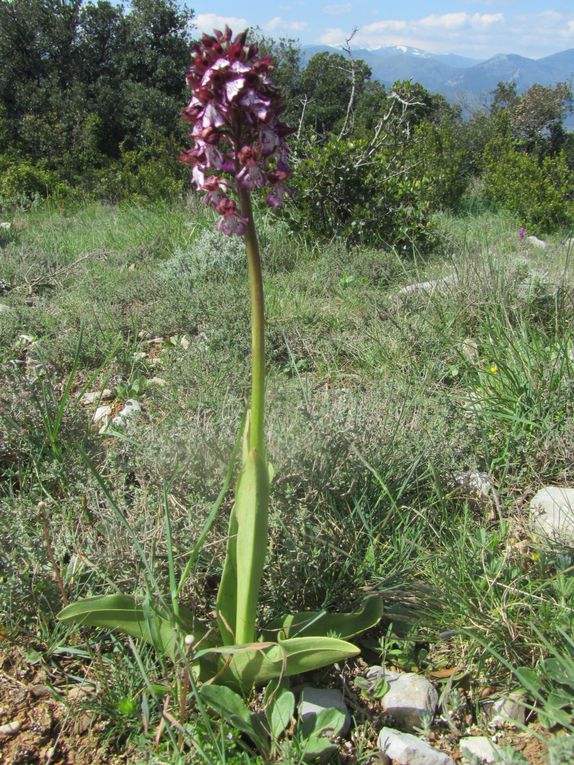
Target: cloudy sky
pixel 478 29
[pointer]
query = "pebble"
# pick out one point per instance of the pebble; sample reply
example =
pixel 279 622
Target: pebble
pixel 552 514
pixel 508 710
pixel 430 286
pixel 5 226
pixel 411 699
pixel 94 396
pixel 11 728
pixel 131 407
pixel 480 748
pixel 406 749
pixel 4 308
pixel 536 242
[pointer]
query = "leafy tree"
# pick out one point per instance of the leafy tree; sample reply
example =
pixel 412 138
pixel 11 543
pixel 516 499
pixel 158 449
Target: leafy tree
pixel 329 83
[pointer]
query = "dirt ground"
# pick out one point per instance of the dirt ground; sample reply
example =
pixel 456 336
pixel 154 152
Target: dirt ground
pixel 38 728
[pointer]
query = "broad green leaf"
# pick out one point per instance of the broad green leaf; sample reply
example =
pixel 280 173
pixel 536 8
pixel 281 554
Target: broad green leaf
pixel 227 594
pixel 231 708
pixel 255 664
pixel 318 748
pixel 530 680
pixel 322 623
pixel 121 612
pixel 281 712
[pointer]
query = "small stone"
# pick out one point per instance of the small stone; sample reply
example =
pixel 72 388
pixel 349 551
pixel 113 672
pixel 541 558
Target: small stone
pixel 431 286
pixel 11 728
pixel 536 242
pixel 5 226
pixel 102 416
pixel 411 699
pixel 131 408
pixel 4 308
pixel 139 355
pixel 480 492
pixel 469 349
pixel 552 514
pixel 508 710
pixel 315 700
pixel 79 692
pixel 184 342
pixel 132 267
pixel 480 748
pixel 406 749
pixel 93 397
pixel 159 381
pixel 40 691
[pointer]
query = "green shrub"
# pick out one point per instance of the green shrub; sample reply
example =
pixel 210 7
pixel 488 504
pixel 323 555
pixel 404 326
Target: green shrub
pixel 23 183
pixel 341 188
pixel 538 191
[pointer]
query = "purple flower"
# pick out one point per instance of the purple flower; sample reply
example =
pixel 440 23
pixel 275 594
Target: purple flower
pixel 521 233
pixel 237 132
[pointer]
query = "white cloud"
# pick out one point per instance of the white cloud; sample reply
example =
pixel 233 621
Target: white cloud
pixel 473 34
pixel 452 21
pixel 337 9
pixel 207 22
pixel 277 24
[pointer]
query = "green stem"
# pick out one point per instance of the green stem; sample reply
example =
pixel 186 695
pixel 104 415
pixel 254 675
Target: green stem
pixel 257 436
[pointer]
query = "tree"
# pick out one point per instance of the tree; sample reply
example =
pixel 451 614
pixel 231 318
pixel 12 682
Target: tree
pixel 328 82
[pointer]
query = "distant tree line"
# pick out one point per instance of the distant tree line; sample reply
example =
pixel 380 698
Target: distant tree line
pixel 90 95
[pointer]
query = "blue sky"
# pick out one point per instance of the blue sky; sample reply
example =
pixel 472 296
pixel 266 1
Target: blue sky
pixel 474 28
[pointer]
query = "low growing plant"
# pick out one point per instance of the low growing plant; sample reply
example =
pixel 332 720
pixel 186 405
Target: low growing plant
pixel 235 116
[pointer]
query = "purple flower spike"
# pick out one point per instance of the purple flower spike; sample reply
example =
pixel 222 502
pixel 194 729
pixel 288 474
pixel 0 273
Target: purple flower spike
pixel 234 112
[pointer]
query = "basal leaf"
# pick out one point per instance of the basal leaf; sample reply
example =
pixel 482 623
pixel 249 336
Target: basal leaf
pixel 319 623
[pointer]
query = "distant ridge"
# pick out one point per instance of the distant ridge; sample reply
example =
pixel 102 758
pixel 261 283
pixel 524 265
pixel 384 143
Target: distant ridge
pixel 461 80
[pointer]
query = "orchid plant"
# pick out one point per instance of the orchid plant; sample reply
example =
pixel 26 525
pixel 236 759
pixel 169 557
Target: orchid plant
pixel 238 148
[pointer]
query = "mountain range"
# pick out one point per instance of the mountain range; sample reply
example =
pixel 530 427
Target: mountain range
pixel 461 80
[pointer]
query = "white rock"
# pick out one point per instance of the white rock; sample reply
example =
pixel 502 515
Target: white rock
pixel 479 748
pixel 92 397
pixel 102 417
pixel 315 700
pixel 508 710
pixel 139 355
pixel 5 225
pixel 4 308
pixel 131 408
pixel 479 490
pixel 552 514
pixel 411 698
pixel 431 286
pixel 406 749
pixel 469 349
pixel 159 381
pixel 536 242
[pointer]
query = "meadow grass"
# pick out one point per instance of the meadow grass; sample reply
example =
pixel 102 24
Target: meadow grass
pixel 377 400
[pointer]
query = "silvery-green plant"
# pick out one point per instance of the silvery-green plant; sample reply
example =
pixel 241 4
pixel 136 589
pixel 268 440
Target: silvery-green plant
pixel 239 147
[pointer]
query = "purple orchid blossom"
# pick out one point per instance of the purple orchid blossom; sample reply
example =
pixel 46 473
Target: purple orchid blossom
pixel 239 139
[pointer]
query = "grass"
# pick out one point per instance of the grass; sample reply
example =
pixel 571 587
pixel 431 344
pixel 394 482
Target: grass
pixel 377 400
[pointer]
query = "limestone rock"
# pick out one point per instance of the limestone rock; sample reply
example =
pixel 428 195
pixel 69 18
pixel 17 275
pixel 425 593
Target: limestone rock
pixel 315 700
pixel 5 226
pixel 406 749
pixel 552 514
pixel 429 287
pixel 507 710
pixel 93 397
pixel 536 242
pixel 411 699
pixel 479 748
pixel 131 408
pixel 479 490
pixel 4 308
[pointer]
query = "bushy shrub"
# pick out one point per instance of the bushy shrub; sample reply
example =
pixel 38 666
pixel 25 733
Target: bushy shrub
pixel 439 156
pixel 342 188
pixel 540 191
pixel 22 183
